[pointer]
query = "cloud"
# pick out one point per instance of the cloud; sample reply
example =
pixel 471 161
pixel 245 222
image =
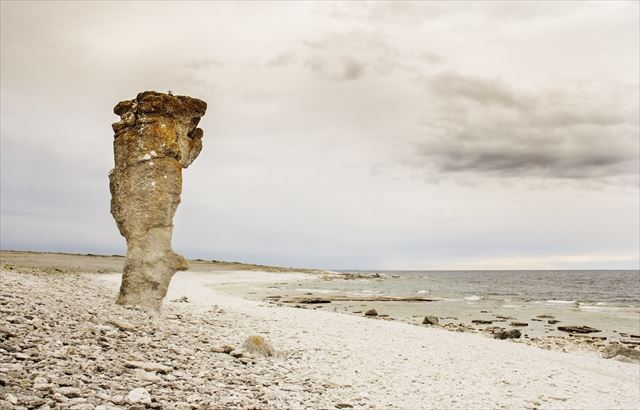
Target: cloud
pixel 431 58
pixel 204 63
pixel 483 126
pixel 410 14
pixel 343 69
pixel 479 90
pixel 282 59
pixel 348 56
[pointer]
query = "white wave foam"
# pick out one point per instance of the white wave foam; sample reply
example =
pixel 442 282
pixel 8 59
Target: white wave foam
pixel 472 297
pixel 562 302
pixel 316 290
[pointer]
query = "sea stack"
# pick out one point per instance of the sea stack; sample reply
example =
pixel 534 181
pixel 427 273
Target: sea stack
pixel 156 137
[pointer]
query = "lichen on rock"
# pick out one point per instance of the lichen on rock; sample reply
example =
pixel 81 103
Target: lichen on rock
pixel 156 137
pixel 258 345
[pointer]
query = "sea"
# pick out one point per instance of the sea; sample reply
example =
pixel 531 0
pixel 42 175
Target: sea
pixel 608 300
pixel 596 287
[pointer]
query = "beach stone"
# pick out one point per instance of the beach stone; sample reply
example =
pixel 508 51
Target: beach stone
pixel 82 406
pixel 138 396
pixel 108 406
pixel 155 139
pixel 40 383
pixel 507 334
pixel 371 312
pixel 430 320
pixel 69 391
pixel 553 321
pixel 258 345
pixel 148 366
pixel 122 325
pixel 578 329
pixel 519 324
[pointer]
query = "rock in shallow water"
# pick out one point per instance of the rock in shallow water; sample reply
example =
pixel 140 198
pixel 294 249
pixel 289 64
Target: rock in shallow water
pixel 617 350
pixel 507 334
pixel 430 320
pixel 578 329
pixel 482 322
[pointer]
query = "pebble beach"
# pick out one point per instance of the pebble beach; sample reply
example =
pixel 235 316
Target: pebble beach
pixel 65 344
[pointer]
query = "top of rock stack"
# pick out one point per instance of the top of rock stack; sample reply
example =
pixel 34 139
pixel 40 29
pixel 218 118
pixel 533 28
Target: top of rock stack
pixel 152 102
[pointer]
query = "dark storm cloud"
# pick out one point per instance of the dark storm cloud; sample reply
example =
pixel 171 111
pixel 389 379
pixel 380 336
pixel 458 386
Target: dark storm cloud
pixel 484 126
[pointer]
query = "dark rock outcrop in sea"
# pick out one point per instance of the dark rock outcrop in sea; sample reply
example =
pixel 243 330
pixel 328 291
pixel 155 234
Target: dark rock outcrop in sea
pixel 507 334
pixel 155 139
pixel 578 329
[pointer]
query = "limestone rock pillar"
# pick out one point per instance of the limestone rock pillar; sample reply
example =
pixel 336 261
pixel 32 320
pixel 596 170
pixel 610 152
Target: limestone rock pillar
pixel 155 139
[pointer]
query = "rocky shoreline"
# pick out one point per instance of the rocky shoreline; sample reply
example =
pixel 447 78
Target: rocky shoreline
pixel 625 350
pixel 65 344
pixel 624 347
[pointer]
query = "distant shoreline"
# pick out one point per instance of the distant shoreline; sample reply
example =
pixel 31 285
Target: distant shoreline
pixel 197 264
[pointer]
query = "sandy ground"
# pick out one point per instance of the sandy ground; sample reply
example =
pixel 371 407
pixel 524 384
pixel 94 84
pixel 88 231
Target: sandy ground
pixel 399 365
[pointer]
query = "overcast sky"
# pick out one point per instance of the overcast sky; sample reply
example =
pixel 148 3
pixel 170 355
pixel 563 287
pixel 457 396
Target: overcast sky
pixel 418 135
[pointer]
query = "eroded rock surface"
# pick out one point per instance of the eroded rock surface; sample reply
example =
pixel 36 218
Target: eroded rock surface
pixel 155 139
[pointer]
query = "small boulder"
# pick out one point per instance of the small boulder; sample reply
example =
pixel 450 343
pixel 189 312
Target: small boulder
pixel 519 324
pixel 258 345
pixel 371 312
pixel 430 320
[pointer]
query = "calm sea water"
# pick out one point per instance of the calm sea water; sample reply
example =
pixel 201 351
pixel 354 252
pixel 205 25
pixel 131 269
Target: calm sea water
pixel 616 287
